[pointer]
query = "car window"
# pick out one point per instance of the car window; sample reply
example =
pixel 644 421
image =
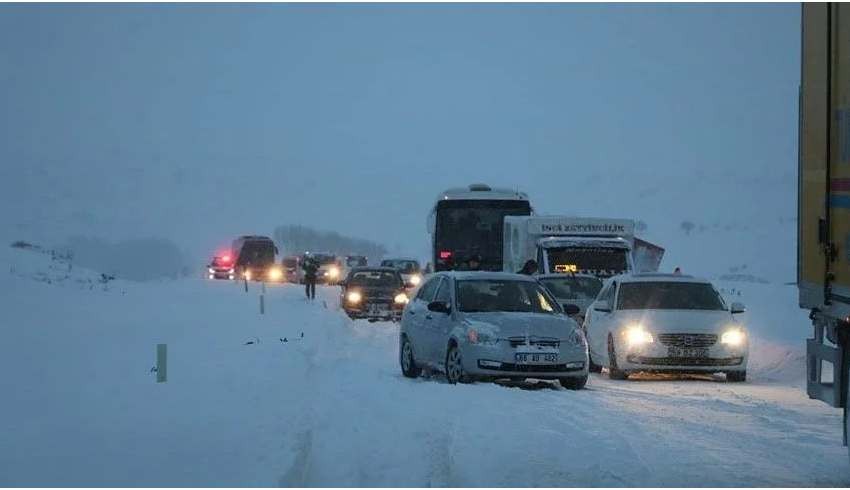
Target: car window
pixel 374 279
pixel 444 292
pixel 426 292
pixel 493 295
pixel 669 296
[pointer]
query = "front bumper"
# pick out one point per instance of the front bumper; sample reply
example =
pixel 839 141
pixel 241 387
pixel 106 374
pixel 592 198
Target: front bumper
pixel 376 310
pixel 497 360
pixel 656 357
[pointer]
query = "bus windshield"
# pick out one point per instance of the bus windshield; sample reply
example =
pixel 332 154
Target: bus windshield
pixel 467 228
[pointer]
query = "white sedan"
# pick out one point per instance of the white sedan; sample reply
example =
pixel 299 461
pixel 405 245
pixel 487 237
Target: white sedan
pixel 665 323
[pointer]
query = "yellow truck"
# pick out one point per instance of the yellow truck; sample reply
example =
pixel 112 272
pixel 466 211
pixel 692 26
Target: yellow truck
pixel 823 241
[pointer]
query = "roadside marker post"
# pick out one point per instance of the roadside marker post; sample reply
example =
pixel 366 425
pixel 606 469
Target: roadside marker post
pixel 263 300
pixel 161 363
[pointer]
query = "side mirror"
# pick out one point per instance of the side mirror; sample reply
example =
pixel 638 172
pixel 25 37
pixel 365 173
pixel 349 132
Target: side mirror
pixel 440 307
pixel 737 308
pixel 602 306
pixel 571 309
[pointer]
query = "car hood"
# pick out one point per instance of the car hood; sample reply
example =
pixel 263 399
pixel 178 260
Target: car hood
pixel 678 321
pixel 507 324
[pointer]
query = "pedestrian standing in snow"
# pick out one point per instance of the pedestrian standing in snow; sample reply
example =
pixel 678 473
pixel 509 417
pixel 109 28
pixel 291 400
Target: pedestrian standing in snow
pixel 677 271
pixel 310 269
pixel 530 268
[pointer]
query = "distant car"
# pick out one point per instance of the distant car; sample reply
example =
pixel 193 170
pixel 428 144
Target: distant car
pixel 410 270
pixel 255 259
pixel 573 289
pixel 292 271
pixel 491 325
pixel 373 293
pixel 330 270
pixel 351 261
pixel 665 322
pixel 221 267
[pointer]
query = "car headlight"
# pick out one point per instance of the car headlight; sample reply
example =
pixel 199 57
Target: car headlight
pixel 734 337
pixel 275 274
pixel 232 271
pixel 248 275
pixel 333 272
pixel 353 297
pixel 401 298
pixel 636 335
pixel 415 279
pixel 476 337
pixel 211 270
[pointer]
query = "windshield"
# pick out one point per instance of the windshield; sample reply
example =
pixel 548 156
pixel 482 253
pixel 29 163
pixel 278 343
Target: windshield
pixel 257 253
pixel 503 295
pixel 669 296
pixel 573 287
pixel 598 261
pixel 375 279
pixel 355 261
pixel 466 228
pixel 324 259
pixel 405 266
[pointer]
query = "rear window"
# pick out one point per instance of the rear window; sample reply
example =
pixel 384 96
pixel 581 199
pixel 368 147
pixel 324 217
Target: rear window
pixel 669 296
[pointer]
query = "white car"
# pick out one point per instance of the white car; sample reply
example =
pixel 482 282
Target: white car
pixel 665 323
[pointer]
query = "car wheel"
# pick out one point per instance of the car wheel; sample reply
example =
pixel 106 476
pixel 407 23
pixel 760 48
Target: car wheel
pixel 613 371
pixel 572 383
pixel 736 376
pixel 454 366
pixel 592 366
pixel 408 363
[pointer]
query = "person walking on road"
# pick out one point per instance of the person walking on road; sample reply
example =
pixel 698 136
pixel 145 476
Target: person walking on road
pixel 310 269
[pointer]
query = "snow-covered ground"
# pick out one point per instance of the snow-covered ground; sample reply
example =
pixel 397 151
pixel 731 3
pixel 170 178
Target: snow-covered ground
pixel 241 407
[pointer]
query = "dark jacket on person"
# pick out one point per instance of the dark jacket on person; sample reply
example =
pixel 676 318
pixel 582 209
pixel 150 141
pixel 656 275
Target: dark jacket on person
pixel 310 269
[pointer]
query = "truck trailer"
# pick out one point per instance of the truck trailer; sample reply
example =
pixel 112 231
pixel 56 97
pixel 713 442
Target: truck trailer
pixel 602 247
pixel 823 241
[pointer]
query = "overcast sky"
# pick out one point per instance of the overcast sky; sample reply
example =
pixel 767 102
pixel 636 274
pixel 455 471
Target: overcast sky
pixel 199 122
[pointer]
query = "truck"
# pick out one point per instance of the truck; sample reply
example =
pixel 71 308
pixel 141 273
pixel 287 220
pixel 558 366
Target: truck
pixel 823 225
pixel 602 247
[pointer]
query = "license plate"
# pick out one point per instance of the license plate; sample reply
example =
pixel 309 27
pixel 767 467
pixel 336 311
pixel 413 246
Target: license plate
pixel 535 358
pixel 377 309
pixel 687 352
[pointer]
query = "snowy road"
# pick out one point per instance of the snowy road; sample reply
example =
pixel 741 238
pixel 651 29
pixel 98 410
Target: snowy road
pixel 332 409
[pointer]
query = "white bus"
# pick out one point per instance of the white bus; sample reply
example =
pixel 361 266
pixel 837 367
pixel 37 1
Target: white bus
pixel 467 222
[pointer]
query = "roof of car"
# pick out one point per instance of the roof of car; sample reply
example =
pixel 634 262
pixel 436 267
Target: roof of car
pixel 373 268
pixel 657 276
pixel 487 275
pixel 561 275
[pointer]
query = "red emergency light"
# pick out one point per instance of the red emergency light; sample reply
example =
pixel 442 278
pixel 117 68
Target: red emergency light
pixel 225 258
pixel 445 254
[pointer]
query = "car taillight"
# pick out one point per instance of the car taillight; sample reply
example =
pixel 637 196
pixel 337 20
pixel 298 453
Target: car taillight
pixel 445 254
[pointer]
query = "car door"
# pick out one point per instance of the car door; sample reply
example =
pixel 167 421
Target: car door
pixel 598 324
pixel 438 325
pixel 414 317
